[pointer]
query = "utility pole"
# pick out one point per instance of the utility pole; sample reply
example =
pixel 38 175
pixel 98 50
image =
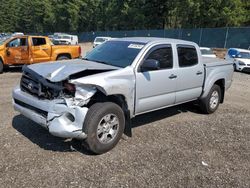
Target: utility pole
pixel 225 44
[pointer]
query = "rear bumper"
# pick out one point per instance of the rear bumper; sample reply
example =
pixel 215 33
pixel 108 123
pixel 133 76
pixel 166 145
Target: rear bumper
pixel 55 115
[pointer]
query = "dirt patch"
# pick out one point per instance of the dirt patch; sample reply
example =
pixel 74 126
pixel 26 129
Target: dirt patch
pixel 220 52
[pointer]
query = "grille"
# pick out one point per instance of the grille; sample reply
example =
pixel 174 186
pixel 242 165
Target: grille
pixel 36 85
pixel 30 85
pixel 246 69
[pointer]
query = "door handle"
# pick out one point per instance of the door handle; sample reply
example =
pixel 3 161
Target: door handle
pixel 172 76
pixel 198 73
pixel 44 48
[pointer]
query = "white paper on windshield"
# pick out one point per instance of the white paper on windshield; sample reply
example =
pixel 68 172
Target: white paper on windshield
pixel 136 46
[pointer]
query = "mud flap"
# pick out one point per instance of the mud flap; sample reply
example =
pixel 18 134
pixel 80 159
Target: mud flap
pixel 128 125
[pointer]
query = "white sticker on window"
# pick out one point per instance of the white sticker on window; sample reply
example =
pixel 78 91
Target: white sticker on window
pixel 136 46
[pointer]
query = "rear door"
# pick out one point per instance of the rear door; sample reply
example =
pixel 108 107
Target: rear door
pixel 156 88
pixel 190 74
pixel 41 49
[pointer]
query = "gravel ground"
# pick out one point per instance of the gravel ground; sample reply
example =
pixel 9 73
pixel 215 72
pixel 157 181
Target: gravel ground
pixel 175 147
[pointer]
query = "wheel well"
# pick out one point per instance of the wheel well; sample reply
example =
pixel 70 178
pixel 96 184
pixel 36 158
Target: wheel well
pixel 221 83
pixel 117 99
pixel 120 101
pixel 65 54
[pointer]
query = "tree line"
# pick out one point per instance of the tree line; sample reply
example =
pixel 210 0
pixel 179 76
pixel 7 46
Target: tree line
pixel 45 16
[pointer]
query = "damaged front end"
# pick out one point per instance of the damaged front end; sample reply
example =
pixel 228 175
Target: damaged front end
pixel 58 106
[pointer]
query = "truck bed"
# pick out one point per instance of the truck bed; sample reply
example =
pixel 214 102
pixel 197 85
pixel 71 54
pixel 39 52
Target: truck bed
pixel 214 68
pixel 211 62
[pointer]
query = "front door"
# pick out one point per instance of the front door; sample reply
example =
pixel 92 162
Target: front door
pixel 25 58
pixel 155 89
pixel 17 51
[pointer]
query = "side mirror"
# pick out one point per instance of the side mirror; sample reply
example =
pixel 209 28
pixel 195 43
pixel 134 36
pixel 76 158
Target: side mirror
pixel 150 64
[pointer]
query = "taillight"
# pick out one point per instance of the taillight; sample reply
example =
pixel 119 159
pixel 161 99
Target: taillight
pixel 80 50
pixel 70 87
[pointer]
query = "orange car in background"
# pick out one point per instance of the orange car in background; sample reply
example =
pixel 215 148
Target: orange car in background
pixel 22 50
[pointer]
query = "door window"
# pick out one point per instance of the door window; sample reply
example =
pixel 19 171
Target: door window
pixel 164 56
pixel 187 56
pixel 38 41
pixel 23 42
pixel 14 43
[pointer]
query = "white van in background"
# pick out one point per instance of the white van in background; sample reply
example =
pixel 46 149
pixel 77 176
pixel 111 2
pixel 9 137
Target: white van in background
pixel 17 34
pixel 61 38
pixel 207 52
pixel 100 40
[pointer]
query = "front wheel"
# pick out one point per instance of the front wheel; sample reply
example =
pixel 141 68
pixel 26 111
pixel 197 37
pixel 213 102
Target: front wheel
pixel 210 104
pixel 104 126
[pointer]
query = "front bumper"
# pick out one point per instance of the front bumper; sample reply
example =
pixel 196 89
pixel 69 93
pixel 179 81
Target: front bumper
pixel 243 68
pixel 55 115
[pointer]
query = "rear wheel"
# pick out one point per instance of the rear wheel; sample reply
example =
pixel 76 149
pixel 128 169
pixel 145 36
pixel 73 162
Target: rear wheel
pixel 210 104
pixel 62 57
pixel 104 126
pixel 1 67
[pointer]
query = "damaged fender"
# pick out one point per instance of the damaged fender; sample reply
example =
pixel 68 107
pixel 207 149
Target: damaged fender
pixel 118 82
pixel 72 118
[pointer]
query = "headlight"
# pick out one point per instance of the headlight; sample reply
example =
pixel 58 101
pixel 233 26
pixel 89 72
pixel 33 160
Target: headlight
pixel 70 87
pixel 241 63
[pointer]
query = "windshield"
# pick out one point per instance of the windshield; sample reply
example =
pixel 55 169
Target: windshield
pixel 116 53
pixel 243 55
pixel 3 40
pixel 207 52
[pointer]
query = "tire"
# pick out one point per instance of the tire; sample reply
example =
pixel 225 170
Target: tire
pixel 62 57
pixel 101 136
pixel 1 67
pixel 210 104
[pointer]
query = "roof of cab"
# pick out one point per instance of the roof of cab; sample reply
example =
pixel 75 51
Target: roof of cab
pixel 153 39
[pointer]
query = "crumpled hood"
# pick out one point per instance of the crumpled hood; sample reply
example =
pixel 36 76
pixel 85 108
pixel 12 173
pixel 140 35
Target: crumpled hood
pixel 247 61
pixel 61 70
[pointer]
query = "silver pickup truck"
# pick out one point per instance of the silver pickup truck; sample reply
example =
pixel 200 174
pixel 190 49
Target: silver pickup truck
pixel 94 99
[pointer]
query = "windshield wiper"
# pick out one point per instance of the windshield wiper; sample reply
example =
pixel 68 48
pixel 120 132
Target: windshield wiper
pixel 102 62
pixel 95 61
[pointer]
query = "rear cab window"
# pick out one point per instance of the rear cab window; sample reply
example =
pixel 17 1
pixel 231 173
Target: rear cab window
pixel 187 55
pixel 38 41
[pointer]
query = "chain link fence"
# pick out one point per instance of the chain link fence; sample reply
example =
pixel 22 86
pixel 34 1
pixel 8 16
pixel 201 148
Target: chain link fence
pixel 207 37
